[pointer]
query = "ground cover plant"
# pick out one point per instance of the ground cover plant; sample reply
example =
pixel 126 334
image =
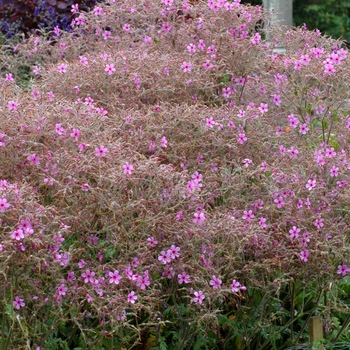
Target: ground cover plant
pixel 168 181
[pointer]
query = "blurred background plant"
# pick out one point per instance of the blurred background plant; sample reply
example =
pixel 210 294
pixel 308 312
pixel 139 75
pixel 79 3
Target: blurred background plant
pixel 148 129
pixel 331 17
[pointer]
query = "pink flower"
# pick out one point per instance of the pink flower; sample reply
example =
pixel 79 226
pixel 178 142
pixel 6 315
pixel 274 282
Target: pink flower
pixel 183 278
pixel 207 65
pixel 166 27
pixel 199 218
pixel 247 162
pixel 210 122
pixel 293 121
pixel 75 133
pixel 277 99
pixel 226 92
pixel 330 152
pixel 198 297
pixel 115 277
pixel 310 184
pixel 304 255
pixel 174 252
pixel 343 270
pixel 262 222
pixel 164 142
pixel 128 168
pixel 293 152
pixel 88 276
pixel 82 147
pixel 164 257
pixel 132 297
pixel 34 159
pixel 201 45
pixel 59 129
pixel 319 223
pixel 334 171
pixel 241 139
pixel 143 281
pixel 62 68
pixel 12 105
pixel 279 202
pixel 9 77
pixel 248 215
pixel 18 303
pixel 101 151
pixel 236 286
pixel 106 34
pixel 329 68
pixel 4 205
pixel 294 232
pixel 152 241
pixel 97 11
pixel 191 48
pixel 303 129
pixel 186 66
pixel 75 8
pixel 17 234
pixel 215 282
pixel 110 69
pixel 126 27
pixel 263 108
pixel 61 290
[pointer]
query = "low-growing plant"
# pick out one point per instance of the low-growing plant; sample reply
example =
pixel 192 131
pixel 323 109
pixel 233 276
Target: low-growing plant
pixel 169 181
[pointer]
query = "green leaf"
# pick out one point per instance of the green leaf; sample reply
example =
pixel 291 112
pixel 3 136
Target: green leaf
pixel 324 124
pixel 110 253
pixel 335 145
pixel 335 116
pixel 226 78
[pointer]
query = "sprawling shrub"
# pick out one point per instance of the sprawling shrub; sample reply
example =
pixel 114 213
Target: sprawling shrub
pixel 170 180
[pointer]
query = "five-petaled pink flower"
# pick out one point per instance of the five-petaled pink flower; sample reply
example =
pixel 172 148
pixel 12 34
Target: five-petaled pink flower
pixel 61 290
pixel 310 184
pixel 236 286
pixel 17 234
pixel 304 255
pixel 101 151
pixel 110 69
pixel 12 105
pixel 215 282
pixel 199 218
pixel 334 171
pixel 132 297
pixel 62 68
pixel 294 232
pixel 4 205
pixel 241 139
pixel 186 66
pixel 319 223
pixel 128 168
pixel 183 278
pixel 59 129
pixel 115 277
pixel 343 270
pixel 248 215
pixel 18 303
pixel 34 159
pixel 174 252
pixel 75 133
pixel 74 8
pixel 198 297
pixel 164 257
pixel 88 276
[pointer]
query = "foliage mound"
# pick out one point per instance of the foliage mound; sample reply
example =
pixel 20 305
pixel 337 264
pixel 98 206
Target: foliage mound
pixel 169 181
